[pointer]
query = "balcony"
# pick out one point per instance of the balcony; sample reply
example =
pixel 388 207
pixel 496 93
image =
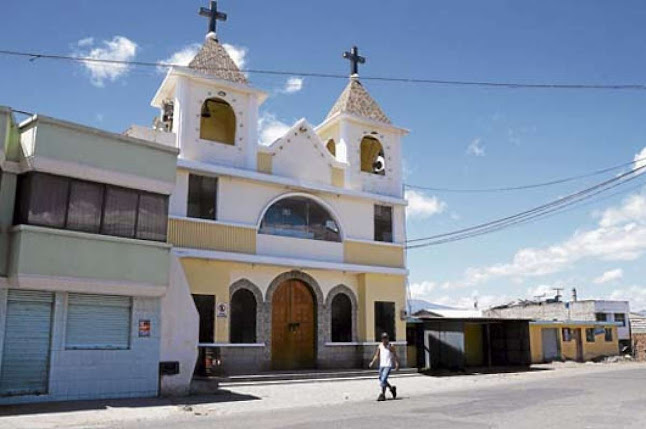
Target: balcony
pixel 51 258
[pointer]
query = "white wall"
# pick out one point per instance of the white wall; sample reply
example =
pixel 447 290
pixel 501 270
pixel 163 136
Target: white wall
pixel 190 95
pixel 301 154
pixel 95 374
pixel 290 247
pixel 180 330
pixel 612 307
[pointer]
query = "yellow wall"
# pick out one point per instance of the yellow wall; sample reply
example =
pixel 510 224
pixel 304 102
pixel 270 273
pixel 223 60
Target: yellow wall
pixel 536 343
pixel 211 236
pixel 338 177
pixel 601 347
pixel 373 254
pixel 264 162
pixel 473 344
pixel 221 125
pixel 597 349
pixel 380 287
pixel 211 278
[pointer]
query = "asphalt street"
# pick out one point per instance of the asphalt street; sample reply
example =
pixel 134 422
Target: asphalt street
pixel 599 400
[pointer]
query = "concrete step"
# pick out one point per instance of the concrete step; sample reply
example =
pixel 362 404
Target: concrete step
pixel 284 377
pixel 204 385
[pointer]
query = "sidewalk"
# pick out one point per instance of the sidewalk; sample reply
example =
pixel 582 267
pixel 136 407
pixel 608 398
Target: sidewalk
pixel 264 397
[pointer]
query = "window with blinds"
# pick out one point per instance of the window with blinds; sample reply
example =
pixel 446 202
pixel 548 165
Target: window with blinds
pixel 98 322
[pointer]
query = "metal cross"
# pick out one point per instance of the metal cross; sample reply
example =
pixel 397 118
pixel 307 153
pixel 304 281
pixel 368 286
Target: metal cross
pixel 355 59
pixel 213 14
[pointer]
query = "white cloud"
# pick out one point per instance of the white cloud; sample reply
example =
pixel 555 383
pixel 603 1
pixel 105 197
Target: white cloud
pixel 270 128
pixel 423 206
pixel 237 53
pixel 119 48
pixel 619 236
pixel 640 160
pixel 88 41
pixel 476 148
pixel 610 276
pixel 421 290
pixel 636 295
pixel 468 301
pixel 183 56
pixel 293 85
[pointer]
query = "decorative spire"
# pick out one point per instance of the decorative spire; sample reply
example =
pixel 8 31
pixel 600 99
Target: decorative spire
pixel 354 99
pixel 355 59
pixel 214 16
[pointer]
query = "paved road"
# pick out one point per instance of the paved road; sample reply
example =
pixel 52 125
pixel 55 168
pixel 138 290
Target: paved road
pixel 614 399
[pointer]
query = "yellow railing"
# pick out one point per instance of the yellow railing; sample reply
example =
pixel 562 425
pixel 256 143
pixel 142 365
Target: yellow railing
pixel 373 254
pixel 211 236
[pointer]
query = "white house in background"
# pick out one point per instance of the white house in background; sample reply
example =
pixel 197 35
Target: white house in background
pixel 580 310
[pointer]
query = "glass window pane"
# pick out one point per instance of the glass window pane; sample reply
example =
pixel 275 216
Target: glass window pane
pixel 300 217
pixel 120 212
pixel 383 223
pixel 341 319
pixel 47 200
pixel 384 320
pixel 152 220
pixel 243 317
pixel 84 213
pixel 202 197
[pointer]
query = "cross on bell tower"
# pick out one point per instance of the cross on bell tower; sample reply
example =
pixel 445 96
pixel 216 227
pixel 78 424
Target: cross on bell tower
pixel 355 59
pixel 214 16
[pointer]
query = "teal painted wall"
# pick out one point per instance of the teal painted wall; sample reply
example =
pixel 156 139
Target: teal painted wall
pixel 102 151
pixel 8 146
pixel 7 198
pixel 48 252
pixel 9 135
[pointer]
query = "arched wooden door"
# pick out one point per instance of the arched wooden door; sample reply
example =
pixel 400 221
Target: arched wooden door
pixel 293 320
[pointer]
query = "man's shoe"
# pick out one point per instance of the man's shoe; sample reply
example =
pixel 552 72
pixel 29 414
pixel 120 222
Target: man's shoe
pixel 381 397
pixel 393 390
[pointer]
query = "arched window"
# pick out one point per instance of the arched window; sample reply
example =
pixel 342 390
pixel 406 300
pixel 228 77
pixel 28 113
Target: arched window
pixel 300 217
pixel 341 319
pixel 243 317
pixel 372 156
pixel 218 121
pixel 331 147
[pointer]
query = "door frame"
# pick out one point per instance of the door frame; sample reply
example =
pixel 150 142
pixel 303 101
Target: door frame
pixel 320 315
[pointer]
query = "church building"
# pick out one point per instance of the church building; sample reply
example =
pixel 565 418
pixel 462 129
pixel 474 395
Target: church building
pixel 293 252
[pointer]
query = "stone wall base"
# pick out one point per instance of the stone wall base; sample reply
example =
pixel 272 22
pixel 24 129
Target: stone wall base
pixel 251 360
pixel 639 346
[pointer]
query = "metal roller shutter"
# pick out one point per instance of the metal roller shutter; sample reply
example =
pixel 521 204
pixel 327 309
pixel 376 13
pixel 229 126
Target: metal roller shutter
pixel 25 357
pixel 98 322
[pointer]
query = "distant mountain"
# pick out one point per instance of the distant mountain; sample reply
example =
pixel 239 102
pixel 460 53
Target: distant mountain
pixel 420 304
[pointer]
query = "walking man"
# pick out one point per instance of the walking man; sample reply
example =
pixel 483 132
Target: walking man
pixel 388 358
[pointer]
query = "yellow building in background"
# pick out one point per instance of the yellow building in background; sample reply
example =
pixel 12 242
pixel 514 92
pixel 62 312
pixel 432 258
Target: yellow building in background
pixel 572 340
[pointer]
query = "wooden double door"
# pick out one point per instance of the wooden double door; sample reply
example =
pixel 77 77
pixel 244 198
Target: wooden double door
pixel 293 330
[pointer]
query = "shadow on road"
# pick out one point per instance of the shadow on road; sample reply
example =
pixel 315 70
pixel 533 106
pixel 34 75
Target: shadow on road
pixel 222 396
pixel 482 371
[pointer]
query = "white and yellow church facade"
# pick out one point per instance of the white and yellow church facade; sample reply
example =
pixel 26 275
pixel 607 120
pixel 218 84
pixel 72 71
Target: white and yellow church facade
pixel 293 253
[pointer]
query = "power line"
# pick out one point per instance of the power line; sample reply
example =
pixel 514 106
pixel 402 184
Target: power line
pixel 526 216
pixel 486 84
pixel 525 187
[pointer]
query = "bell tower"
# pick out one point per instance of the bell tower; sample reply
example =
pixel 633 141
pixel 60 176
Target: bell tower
pixel 210 106
pixel 360 134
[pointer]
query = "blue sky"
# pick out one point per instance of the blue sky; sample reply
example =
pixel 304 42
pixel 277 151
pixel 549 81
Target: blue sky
pixel 460 137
